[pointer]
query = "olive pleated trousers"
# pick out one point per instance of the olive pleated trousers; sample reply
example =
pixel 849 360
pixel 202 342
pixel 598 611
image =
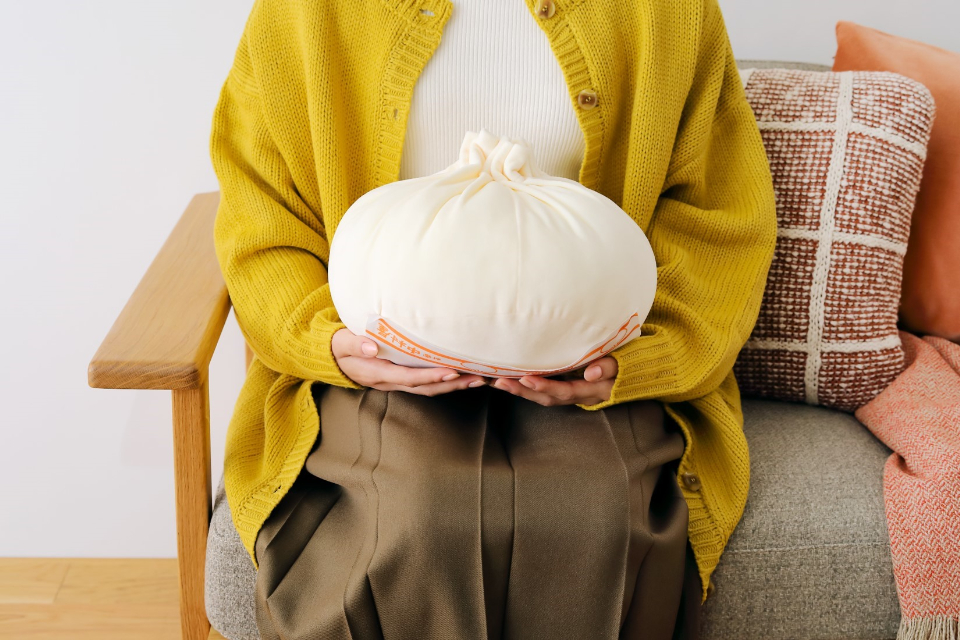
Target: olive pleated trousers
pixel 478 514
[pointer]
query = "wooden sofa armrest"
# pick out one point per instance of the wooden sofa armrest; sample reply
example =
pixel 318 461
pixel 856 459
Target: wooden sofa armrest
pixel 165 335
pixel 163 339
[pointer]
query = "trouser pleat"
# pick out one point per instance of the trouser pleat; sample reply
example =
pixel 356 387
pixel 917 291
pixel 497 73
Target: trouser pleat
pixel 478 515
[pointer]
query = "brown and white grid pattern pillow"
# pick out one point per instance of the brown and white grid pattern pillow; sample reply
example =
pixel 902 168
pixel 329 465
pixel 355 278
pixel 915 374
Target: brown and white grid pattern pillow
pixel 846 151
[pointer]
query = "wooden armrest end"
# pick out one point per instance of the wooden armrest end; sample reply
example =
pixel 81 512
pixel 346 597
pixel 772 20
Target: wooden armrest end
pixel 166 333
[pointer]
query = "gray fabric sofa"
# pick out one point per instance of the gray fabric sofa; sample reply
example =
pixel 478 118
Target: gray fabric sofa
pixel 810 559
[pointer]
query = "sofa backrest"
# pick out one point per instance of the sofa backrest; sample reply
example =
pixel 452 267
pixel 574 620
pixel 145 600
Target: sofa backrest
pixel 780 64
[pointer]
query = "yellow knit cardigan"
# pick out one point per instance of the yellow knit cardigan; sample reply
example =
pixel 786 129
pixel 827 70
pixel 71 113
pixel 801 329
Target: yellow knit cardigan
pixel 312 115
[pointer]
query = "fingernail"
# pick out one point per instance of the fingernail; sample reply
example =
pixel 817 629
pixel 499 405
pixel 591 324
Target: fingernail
pixel 476 383
pixel 592 371
pixel 451 376
pixel 527 383
pixel 369 348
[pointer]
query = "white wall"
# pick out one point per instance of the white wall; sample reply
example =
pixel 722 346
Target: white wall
pixel 804 29
pixel 105 111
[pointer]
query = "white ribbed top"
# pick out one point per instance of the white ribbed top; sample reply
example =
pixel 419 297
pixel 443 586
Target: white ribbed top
pixel 493 70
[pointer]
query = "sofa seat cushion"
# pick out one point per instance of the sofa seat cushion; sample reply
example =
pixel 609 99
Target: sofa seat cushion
pixel 230 578
pixel 809 559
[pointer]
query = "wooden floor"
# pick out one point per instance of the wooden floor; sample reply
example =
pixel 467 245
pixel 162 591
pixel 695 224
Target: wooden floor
pixel 87 599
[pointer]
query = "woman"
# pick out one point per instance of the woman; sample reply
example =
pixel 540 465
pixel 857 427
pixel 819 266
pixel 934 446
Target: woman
pixel 382 501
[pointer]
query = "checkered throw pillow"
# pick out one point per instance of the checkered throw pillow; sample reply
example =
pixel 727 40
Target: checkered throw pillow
pixel 846 151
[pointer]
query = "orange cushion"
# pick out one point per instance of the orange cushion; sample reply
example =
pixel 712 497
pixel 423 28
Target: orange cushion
pixel 930 297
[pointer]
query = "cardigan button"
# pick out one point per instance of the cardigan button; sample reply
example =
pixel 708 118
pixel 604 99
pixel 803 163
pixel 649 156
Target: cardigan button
pixel 587 99
pixel 691 481
pixel 545 8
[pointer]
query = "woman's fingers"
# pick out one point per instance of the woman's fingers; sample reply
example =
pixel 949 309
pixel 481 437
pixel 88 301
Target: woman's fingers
pixel 347 343
pixel 604 368
pixel 390 373
pixel 435 388
pixel 370 371
pixel 565 390
pixel 517 389
pixel 549 392
pixel 356 356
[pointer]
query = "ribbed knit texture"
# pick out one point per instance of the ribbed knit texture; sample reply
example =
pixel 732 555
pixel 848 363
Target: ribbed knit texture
pixel 312 116
pixel 493 70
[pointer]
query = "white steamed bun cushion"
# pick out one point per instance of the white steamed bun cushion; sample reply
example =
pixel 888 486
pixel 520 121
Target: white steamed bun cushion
pixel 493 260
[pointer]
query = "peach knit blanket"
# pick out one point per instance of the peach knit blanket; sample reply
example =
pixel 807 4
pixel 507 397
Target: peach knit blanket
pixel 918 417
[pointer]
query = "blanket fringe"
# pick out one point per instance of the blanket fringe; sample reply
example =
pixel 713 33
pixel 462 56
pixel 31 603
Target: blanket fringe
pixel 929 628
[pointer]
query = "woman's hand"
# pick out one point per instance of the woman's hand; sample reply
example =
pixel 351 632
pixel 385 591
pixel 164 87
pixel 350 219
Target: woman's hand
pixel 357 358
pixel 598 378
